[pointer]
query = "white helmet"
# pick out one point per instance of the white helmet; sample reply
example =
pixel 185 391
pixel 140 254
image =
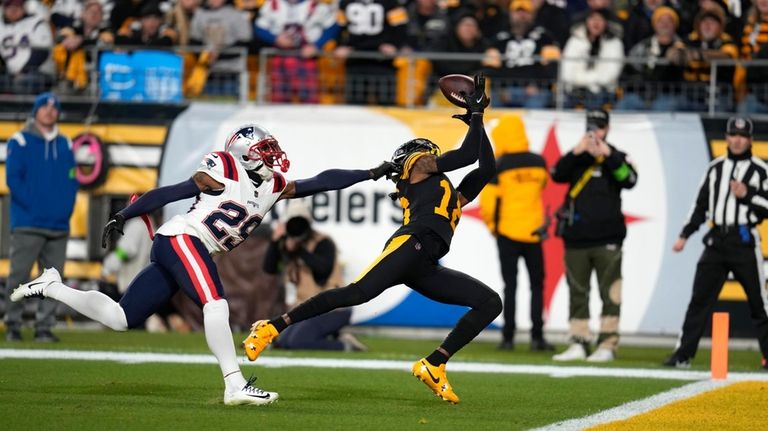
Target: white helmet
pixel 256 149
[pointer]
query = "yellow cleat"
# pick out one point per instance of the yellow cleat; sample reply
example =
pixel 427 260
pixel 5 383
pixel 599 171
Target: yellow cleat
pixel 436 379
pixel 262 334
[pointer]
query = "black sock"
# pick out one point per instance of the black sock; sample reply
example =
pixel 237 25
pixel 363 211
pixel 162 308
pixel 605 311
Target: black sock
pixel 437 358
pixel 279 323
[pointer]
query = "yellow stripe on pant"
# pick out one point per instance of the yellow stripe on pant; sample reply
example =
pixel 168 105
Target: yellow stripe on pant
pixel 392 246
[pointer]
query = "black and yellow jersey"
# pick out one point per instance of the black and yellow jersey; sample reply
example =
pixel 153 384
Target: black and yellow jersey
pixel 429 205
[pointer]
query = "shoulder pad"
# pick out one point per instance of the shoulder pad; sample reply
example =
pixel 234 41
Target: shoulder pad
pixel 220 166
pixel 279 182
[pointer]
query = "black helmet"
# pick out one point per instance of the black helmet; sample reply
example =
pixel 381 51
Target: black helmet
pixel 418 145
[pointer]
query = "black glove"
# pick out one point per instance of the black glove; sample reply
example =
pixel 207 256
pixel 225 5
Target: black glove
pixel 385 168
pixel 478 100
pixel 112 226
pixel 465 117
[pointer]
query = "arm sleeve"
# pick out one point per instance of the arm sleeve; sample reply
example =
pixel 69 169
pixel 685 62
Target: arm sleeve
pixel 159 197
pixel 468 152
pixel 332 179
pixel 272 258
pixel 621 171
pixel 698 213
pixel 757 199
pixel 321 261
pixel 474 182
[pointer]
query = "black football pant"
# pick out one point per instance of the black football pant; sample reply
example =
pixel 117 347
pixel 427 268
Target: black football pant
pixel 510 252
pixel 406 261
pixel 723 256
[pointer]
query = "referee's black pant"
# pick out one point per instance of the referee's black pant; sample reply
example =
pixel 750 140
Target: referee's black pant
pixel 726 252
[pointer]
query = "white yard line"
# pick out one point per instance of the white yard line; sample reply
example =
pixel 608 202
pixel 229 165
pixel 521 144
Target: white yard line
pixel 634 408
pixel 373 364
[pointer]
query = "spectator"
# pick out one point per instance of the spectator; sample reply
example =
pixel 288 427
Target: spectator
pixel 39 160
pixel 754 45
pixel 707 42
pixel 302 25
pixel 125 12
pixel 216 27
pixel 511 206
pixel 179 19
pixel 376 26
pixel 465 38
pixel 309 264
pixel 428 24
pixel 614 23
pixel 73 53
pixel 492 17
pixel 592 62
pixel 149 31
pixel 522 78
pixel 26 50
pixel 553 18
pixel 732 201
pixel 592 226
pixel 735 14
pixel 650 80
pixel 639 26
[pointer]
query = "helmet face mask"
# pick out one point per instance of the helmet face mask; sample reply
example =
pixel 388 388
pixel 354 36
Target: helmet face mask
pixel 404 151
pixel 256 149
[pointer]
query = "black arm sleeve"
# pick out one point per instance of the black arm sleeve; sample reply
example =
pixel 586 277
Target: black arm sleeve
pixel 157 198
pixel 272 258
pixel 467 153
pixel 473 183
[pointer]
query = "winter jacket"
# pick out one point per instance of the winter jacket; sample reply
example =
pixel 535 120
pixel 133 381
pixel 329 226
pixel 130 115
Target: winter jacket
pixel 40 174
pixel 511 204
pixel 597 219
pixel 600 73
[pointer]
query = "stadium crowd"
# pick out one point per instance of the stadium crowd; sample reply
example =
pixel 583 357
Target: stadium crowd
pixel 634 55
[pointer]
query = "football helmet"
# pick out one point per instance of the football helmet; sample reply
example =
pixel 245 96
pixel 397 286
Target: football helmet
pixel 404 151
pixel 256 149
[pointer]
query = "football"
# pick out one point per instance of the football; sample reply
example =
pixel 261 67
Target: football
pixel 453 85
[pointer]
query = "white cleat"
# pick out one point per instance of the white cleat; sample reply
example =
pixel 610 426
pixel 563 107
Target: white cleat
pixel 602 355
pixel 36 287
pixel 250 394
pixel 575 352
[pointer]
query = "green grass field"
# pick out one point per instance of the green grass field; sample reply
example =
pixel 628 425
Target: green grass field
pixel 100 395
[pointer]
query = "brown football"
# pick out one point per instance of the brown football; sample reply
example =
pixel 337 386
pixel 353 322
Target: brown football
pixel 453 85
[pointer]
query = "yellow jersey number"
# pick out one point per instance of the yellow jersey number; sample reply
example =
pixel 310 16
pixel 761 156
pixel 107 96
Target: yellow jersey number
pixel 443 208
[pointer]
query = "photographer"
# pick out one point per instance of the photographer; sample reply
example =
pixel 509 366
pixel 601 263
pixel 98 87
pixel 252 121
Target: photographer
pixel 592 226
pixel 307 260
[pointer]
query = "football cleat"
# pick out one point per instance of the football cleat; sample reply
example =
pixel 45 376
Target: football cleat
pixel 601 355
pixel 436 379
pixel 677 361
pixel 250 394
pixel 262 334
pixel 36 287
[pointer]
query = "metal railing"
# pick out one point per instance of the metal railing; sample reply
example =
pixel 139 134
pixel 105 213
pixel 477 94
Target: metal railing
pixel 415 84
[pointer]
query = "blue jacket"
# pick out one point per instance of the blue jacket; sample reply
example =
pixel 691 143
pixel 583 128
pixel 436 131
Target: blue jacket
pixel 41 177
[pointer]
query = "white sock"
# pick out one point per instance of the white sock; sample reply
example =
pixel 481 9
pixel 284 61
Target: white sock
pixel 219 337
pixel 92 304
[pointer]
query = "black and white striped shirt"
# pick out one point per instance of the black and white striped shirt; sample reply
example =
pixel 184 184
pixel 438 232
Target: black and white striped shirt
pixel 717 204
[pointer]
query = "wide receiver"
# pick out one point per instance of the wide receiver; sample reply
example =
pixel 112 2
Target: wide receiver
pixel 234 189
pixel 431 211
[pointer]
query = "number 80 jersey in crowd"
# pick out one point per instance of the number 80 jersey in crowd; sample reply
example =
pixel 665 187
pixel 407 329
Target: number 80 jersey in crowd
pixel 222 220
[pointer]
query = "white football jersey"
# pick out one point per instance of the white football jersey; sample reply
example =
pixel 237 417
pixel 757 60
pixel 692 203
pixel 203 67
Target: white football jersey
pixel 17 40
pixel 223 220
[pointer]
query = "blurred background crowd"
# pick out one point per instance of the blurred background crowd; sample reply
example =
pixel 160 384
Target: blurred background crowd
pixel 683 55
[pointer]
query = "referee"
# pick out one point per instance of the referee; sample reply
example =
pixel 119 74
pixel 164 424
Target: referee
pixel 733 199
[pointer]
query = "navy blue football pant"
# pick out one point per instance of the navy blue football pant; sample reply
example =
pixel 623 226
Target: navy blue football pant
pixel 407 260
pixel 180 261
pixel 318 333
